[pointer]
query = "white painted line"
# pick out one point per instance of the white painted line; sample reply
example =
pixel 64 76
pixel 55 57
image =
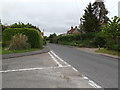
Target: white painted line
pixel 74 69
pixel 30 69
pixel 54 59
pixel 63 61
pixel 92 83
pixel 84 77
pixel 59 58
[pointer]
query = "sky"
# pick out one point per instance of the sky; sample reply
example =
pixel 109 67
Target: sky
pixel 52 16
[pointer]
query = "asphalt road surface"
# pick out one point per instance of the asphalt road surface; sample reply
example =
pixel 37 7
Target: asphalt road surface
pixel 101 69
pixel 41 71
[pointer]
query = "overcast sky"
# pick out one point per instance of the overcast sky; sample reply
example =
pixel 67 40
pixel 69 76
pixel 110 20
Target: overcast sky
pixel 54 16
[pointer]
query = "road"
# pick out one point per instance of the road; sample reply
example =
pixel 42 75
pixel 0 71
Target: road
pixel 101 69
pixel 41 71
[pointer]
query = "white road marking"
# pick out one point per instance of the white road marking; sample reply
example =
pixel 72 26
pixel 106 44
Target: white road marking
pixel 93 84
pixel 54 59
pixel 74 69
pixel 63 61
pixel 30 69
pixel 59 58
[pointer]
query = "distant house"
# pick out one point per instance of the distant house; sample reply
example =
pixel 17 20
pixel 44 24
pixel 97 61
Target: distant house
pixel 73 30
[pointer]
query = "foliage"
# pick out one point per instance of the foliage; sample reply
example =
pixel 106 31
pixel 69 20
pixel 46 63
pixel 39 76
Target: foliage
pixel 106 51
pixel 99 40
pixel 69 38
pixel 4 27
pixel 52 38
pixel 76 40
pixel 90 22
pixel 111 30
pixel 19 42
pixel 20 25
pixel 100 11
pixel 6 51
pixel 34 37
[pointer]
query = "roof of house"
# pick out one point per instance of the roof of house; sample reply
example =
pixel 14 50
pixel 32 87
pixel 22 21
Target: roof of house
pixel 71 30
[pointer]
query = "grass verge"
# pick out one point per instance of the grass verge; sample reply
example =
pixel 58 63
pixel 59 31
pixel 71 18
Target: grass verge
pixel 17 51
pixel 111 52
pixel 0 50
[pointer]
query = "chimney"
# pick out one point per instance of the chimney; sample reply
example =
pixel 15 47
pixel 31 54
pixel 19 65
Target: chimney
pixel 71 27
pixel 75 27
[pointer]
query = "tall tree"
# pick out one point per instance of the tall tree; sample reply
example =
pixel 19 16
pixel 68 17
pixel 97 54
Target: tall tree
pixel 100 11
pixel 90 21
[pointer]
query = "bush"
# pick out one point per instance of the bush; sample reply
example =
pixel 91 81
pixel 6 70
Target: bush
pixel 115 47
pixel 111 30
pixel 19 42
pixel 88 35
pixel 69 38
pixel 34 36
pixel 99 40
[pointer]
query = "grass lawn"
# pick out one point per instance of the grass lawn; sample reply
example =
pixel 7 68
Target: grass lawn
pixel 111 52
pixel 18 51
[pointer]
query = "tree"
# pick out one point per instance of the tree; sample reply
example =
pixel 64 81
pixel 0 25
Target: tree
pixel 111 31
pixel 100 11
pixel 90 22
pixel 52 38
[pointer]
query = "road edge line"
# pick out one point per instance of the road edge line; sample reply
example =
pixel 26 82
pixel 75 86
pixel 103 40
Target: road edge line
pixel 90 82
pixel 58 63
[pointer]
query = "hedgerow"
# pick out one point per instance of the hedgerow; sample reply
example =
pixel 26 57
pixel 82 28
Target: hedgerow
pixel 34 36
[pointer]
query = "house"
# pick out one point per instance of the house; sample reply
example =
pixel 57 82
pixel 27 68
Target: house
pixel 74 30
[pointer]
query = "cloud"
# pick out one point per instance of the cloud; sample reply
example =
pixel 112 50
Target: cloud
pixel 52 15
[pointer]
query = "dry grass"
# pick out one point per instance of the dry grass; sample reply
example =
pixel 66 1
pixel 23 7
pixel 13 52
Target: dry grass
pixel 19 42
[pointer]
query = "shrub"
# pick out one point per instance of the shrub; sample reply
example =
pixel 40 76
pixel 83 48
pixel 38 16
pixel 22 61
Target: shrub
pixel 99 40
pixel 69 38
pixel 88 35
pixel 19 42
pixel 111 30
pixel 115 47
pixel 34 36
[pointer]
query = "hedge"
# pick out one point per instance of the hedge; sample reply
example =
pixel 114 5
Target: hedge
pixel 34 36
